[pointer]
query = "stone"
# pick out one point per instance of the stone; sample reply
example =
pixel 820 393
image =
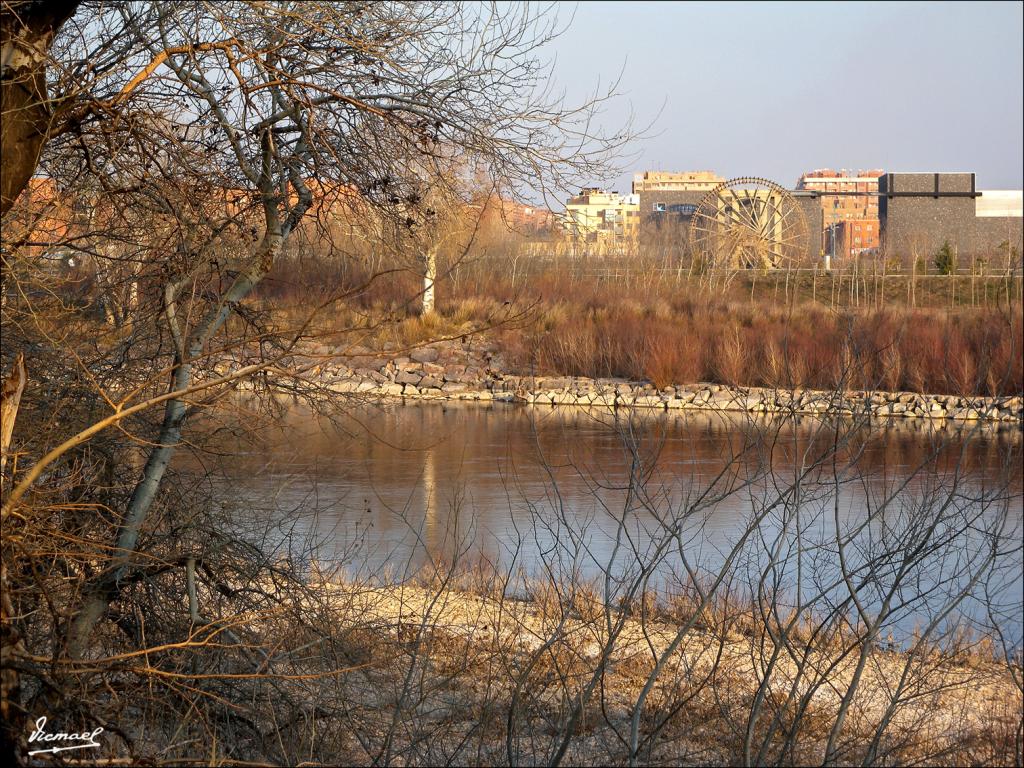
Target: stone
pixel 453 372
pixel 424 355
pixel 430 382
pixel 556 383
pixel 392 389
pixel 407 377
pixel 433 369
pixel 368 373
pixel 453 387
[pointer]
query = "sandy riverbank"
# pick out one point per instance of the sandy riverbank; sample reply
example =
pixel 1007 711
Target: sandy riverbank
pixel 480 663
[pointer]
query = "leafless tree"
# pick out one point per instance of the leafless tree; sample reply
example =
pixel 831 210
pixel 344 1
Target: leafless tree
pixel 200 139
pixel 210 145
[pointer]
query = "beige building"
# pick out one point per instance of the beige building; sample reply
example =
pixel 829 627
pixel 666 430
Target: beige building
pixel 1005 203
pixel 596 214
pixel 668 181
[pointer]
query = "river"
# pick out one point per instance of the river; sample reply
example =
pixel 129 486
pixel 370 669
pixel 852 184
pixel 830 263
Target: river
pixel 390 488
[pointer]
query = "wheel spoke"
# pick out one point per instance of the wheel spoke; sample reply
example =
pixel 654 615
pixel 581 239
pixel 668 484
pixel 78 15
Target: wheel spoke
pixel 748 222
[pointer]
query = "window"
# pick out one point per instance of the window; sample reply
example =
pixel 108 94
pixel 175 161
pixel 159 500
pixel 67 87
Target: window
pixel 659 207
pixel 683 209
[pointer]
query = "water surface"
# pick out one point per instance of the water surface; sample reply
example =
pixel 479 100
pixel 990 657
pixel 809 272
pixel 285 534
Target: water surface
pixel 395 487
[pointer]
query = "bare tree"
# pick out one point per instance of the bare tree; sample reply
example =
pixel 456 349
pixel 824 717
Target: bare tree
pixel 198 140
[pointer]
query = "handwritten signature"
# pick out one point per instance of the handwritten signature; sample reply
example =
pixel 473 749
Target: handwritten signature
pixel 40 735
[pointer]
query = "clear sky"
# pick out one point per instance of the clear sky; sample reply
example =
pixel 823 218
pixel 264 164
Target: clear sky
pixel 774 89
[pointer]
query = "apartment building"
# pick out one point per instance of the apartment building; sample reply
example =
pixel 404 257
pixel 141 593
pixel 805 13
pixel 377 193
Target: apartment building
pixel 671 181
pixel 848 237
pixel 596 214
pixel 854 199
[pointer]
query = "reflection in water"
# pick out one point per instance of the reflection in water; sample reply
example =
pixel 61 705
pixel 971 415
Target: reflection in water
pixel 401 484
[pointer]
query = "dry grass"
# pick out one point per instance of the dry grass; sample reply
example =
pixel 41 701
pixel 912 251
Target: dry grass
pixel 967 352
pixel 568 321
pixel 485 647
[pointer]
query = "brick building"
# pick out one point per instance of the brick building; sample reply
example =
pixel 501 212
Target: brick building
pixel 854 200
pixel 849 237
pixel 858 198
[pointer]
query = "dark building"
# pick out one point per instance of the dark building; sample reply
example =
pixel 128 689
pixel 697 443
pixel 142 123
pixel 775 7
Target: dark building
pixel 659 208
pixel 810 204
pixel 919 212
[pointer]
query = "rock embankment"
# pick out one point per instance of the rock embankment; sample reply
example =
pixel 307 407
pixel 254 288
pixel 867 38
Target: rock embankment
pixel 451 371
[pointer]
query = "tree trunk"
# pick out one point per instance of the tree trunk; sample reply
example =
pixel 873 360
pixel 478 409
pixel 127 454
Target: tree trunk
pixel 12 730
pixel 27 30
pixel 10 399
pixel 430 275
pixel 104 589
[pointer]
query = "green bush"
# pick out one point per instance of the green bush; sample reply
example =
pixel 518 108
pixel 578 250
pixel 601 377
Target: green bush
pixel 945 259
